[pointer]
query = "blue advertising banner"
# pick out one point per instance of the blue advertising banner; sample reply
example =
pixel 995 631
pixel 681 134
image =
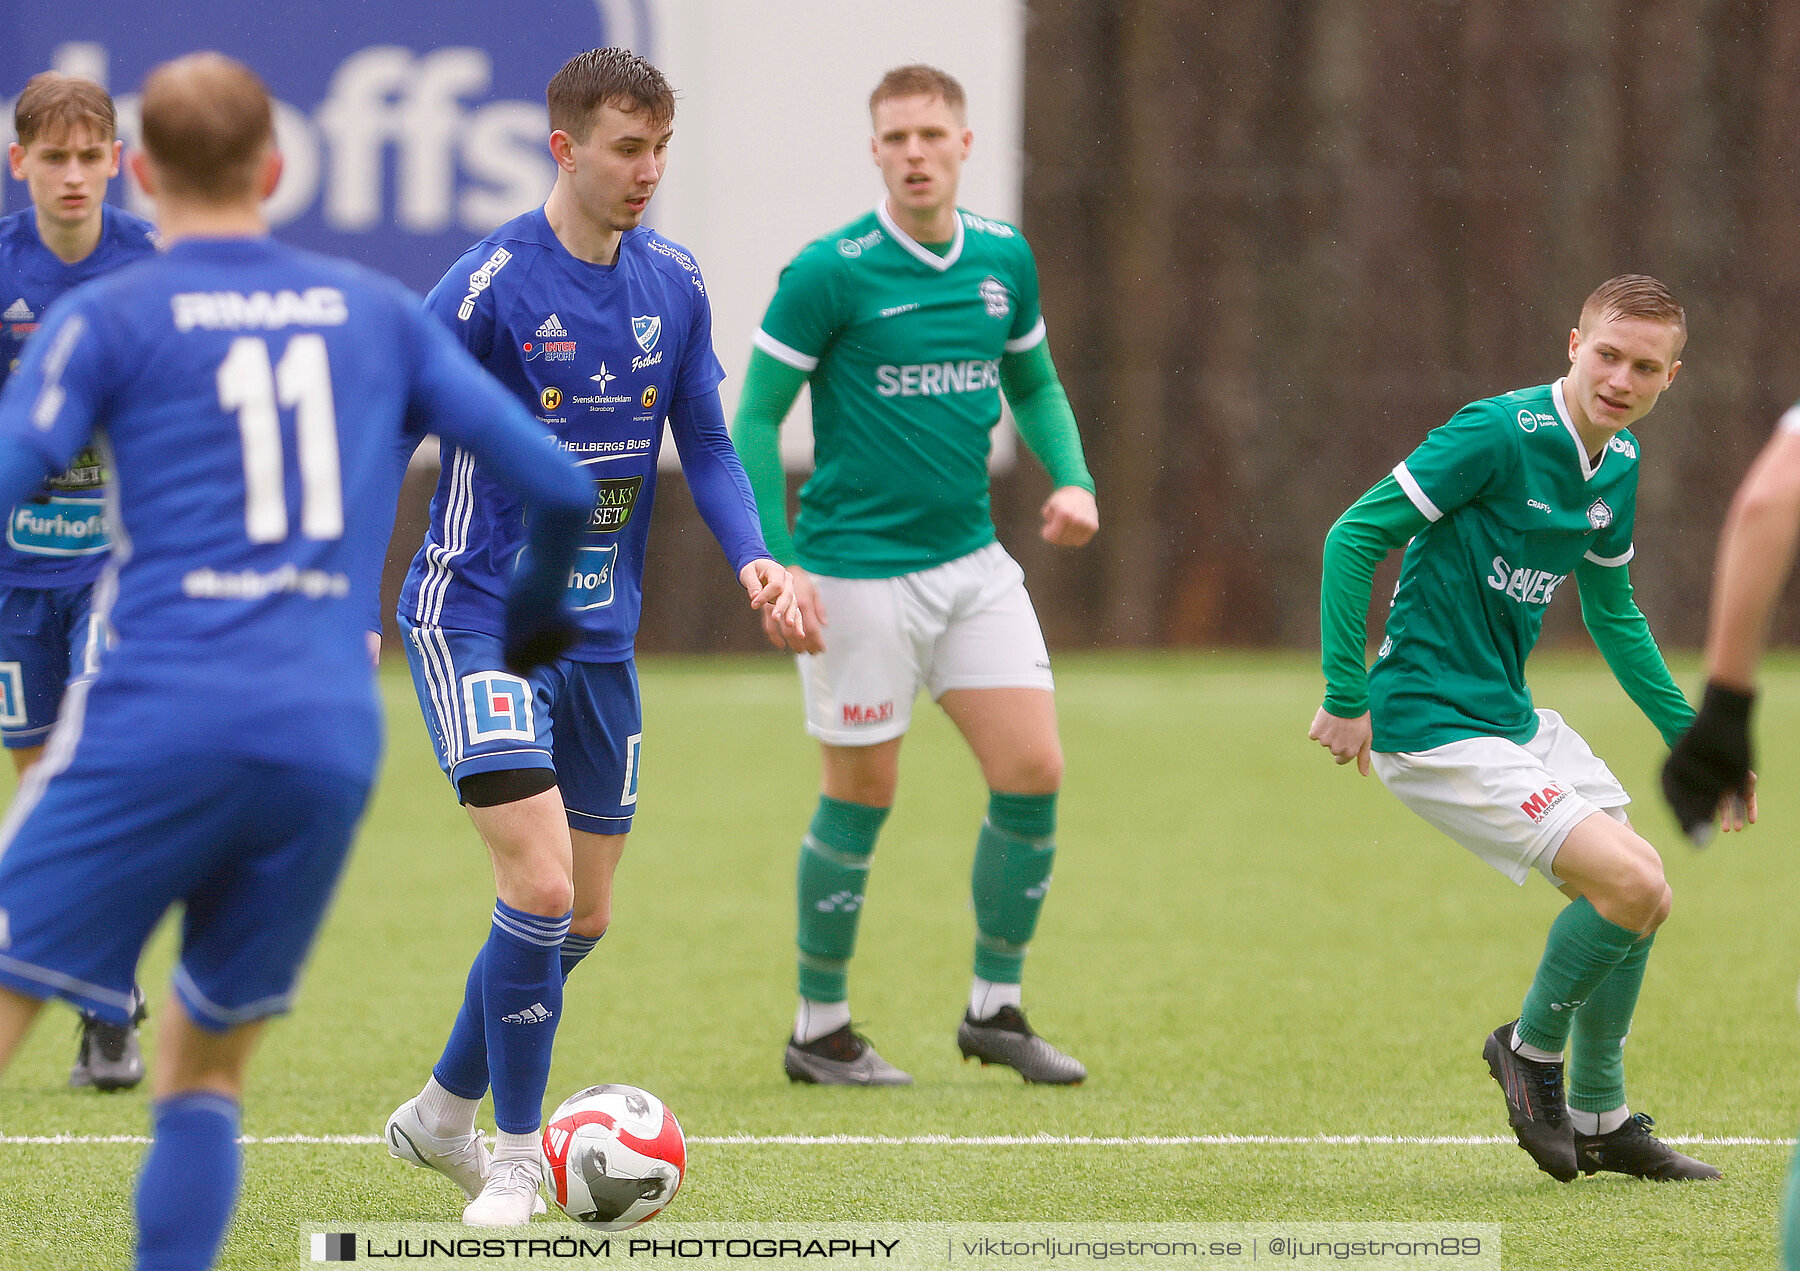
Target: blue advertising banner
pixel 409 130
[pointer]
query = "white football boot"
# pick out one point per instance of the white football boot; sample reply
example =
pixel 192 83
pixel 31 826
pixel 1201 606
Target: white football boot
pixel 510 1197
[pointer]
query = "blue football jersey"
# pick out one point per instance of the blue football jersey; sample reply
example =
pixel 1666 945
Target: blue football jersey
pixel 58 538
pixel 254 404
pixel 600 354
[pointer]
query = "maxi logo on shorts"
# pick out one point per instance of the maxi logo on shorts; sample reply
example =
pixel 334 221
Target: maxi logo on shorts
pixel 1538 806
pixel 497 707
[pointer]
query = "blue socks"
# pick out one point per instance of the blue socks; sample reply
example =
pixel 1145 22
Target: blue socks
pixel 521 1001
pixel 574 949
pixel 463 1067
pixel 188 1184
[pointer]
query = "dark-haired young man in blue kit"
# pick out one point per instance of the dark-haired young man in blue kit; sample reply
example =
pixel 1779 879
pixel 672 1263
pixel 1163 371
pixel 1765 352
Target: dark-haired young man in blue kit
pixel 602 327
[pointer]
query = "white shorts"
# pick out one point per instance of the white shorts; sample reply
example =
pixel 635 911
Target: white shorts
pixel 964 624
pixel 1509 804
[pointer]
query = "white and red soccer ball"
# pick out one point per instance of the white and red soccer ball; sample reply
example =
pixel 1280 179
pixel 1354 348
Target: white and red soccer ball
pixel 613 1156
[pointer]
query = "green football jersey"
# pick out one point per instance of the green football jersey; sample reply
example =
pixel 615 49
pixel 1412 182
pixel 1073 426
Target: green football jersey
pixel 902 346
pixel 1514 504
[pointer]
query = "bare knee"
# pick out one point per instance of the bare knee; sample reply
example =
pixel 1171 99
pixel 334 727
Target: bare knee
pixel 1637 897
pixel 591 924
pixel 1034 770
pixel 868 775
pixel 547 893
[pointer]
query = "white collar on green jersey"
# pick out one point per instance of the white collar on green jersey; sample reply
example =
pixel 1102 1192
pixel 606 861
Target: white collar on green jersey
pixel 1588 469
pixel 917 249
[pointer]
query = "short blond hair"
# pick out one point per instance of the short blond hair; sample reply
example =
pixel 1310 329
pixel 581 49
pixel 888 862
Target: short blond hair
pixel 919 80
pixel 1635 296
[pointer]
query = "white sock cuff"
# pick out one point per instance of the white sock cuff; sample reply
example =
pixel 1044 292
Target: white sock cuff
pixel 446 1115
pixel 1599 1122
pixel 1537 1055
pixel 986 998
pixel 814 1020
pixel 514 1147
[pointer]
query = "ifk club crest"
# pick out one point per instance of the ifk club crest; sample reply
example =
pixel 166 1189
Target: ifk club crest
pixel 647 329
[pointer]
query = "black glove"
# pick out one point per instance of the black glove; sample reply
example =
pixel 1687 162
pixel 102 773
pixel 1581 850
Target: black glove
pixel 538 628
pixel 528 650
pixel 1710 760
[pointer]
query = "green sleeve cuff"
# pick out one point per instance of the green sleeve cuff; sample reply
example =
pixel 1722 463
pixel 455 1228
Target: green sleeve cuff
pixel 1622 634
pixel 1373 526
pixel 1041 410
pixel 770 387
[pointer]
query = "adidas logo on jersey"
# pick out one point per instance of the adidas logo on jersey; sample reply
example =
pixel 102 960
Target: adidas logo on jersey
pixel 533 1014
pixel 552 329
pixel 18 311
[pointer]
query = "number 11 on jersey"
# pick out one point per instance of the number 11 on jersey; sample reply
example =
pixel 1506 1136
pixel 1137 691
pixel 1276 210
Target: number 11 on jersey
pixel 256 391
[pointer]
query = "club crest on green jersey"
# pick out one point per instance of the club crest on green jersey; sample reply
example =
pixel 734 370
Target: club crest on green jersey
pixel 1599 515
pixel 995 297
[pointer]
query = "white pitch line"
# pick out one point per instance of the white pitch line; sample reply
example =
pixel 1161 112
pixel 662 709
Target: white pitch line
pixel 948 1140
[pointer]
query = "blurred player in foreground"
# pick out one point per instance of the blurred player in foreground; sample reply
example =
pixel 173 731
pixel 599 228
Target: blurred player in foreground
pixel 1496 509
pixel 604 328
pixel 909 322
pixel 1710 765
pixel 55 546
pixel 252 401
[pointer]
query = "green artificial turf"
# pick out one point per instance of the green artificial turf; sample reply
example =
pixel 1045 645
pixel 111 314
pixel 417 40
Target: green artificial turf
pixel 1241 940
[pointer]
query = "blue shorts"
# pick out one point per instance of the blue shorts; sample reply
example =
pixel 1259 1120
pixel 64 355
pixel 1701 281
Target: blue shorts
pixel 47 637
pixel 582 720
pixel 91 860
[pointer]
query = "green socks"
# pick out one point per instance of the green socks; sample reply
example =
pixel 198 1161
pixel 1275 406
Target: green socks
pixel 1597 1039
pixel 834 866
pixel 1012 872
pixel 1013 856
pixel 1582 950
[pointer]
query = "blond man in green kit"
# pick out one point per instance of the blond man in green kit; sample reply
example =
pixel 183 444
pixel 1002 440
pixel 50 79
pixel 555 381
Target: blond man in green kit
pixel 908 324
pixel 1496 510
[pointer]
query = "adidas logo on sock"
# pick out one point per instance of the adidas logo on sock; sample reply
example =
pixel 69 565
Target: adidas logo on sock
pixel 533 1014
pixel 18 311
pixel 552 329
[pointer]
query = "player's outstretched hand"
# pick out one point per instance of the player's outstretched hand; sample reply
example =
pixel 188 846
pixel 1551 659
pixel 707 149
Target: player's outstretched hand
pixel 1346 739
pixel 802 631
pixel 1708 770
pixel 1071 517
pixel 772 590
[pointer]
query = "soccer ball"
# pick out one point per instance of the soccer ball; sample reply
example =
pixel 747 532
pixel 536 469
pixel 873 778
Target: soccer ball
pixel 614 1156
